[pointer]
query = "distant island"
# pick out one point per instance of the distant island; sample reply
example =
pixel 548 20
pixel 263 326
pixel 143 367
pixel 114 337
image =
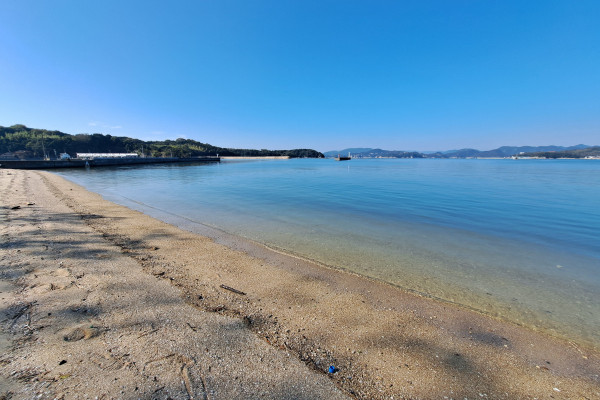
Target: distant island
pixel 21 142
pixel 578 151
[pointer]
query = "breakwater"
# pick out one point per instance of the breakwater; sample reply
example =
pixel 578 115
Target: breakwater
pixel 99 162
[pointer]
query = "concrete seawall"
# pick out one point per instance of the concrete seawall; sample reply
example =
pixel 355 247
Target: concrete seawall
pixel 99 162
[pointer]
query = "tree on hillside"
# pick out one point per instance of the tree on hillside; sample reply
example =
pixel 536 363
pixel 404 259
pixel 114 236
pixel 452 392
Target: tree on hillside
pixel 38 141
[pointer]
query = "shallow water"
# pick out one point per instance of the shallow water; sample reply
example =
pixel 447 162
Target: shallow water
pixel 516 239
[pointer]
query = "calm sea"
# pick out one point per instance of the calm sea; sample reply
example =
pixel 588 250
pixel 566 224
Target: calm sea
pixel 517 239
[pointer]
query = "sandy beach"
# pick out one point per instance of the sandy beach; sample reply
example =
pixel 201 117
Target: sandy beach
pixel 100 301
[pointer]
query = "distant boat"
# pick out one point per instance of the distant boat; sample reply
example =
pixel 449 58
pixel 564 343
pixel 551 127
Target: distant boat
pixel 340 158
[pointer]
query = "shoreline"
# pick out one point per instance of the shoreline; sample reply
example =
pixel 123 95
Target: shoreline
pixel 383 340
pixel 81 318
pixel 250 158
pixel 540 320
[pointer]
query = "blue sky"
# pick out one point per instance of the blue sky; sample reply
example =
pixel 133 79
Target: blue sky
pixel 399 75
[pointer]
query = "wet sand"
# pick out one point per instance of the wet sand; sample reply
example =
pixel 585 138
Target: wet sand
pixel 138 308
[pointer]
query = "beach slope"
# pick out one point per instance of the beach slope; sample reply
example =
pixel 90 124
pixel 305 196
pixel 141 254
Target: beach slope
pixel 81 318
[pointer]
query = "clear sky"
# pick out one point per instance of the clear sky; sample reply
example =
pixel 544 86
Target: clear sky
pixel 399 75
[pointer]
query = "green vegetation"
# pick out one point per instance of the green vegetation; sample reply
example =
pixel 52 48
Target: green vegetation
pixel 41 142
pixel 580 153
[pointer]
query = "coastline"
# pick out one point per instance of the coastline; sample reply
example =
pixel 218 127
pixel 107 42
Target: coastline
pixel 383 341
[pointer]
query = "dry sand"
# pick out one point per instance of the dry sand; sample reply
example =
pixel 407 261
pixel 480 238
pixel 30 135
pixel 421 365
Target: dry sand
pixel 97 300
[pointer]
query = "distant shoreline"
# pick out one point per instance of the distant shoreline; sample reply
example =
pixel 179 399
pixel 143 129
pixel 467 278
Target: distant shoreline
pixel 235 158
pixel 469 158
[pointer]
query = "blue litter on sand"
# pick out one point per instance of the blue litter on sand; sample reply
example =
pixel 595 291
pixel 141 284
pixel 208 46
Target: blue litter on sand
pixel 332 369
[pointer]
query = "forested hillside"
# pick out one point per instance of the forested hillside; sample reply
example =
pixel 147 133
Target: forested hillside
pixel 41 142
pixel 578 153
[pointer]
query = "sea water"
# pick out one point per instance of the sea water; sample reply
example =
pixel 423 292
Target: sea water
pixel 516 239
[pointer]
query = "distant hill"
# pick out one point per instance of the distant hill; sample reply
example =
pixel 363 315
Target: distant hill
pixel 504 151
pixel 355 150
pixel 572 153
pixel 379 153
pixel 507 151
pixel 37 143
